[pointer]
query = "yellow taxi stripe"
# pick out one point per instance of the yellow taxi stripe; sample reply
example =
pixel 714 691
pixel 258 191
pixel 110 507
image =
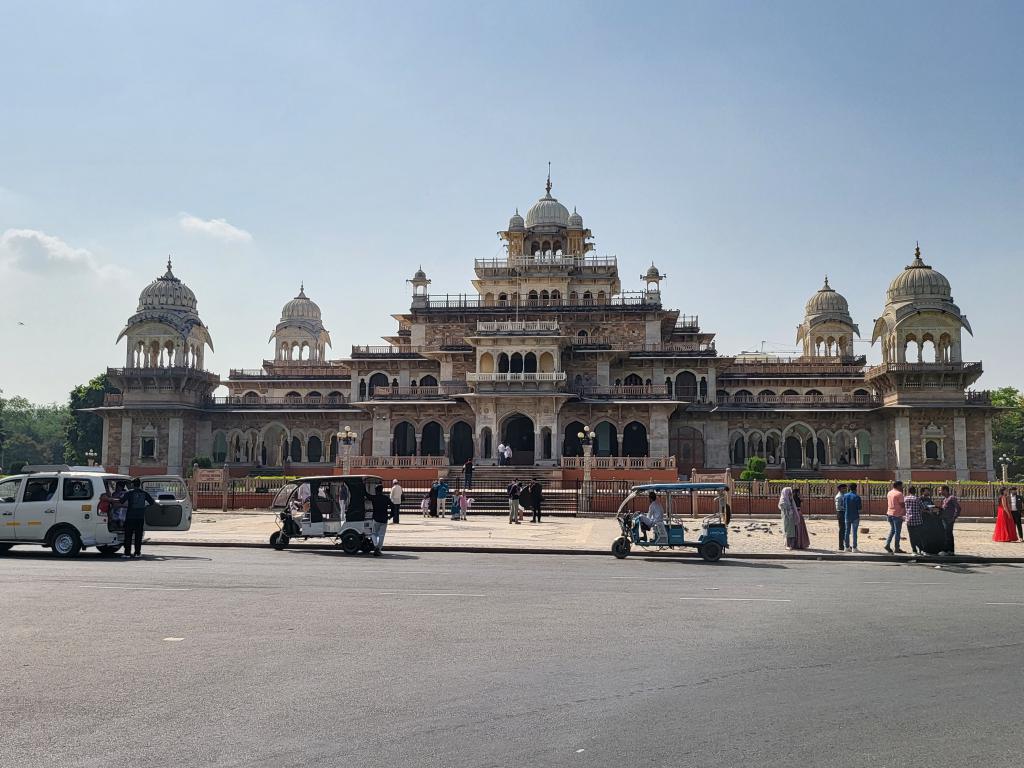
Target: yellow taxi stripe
pixel 35 522
pixel 11 524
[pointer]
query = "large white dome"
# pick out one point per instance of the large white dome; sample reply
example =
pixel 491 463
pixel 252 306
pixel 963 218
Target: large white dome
pixel 300 308
pixel 167 292
pixel 547 212
pixel 918 281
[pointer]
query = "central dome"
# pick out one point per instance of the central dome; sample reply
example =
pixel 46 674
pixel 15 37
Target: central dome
pixel 546 212
pixel 827 300
pixel 300 308
pixel 919 281
pixel 167 292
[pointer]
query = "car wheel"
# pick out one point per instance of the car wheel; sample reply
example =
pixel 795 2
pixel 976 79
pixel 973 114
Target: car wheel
pixel 66 543
pixel 351 542
pixel 108 549
pixel 711 551
pixel 278 540
pixel 620 547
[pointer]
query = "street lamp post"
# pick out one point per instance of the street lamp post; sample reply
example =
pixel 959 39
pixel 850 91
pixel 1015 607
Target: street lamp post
pixel 1006 461
pixel 345 440
pixel 90 456
pixel 587 441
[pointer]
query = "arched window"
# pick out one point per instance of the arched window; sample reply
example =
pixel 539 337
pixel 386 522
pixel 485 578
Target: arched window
pixel 530 363
pixel 431 442
pixel 686 386
pixel 571 444
pixel 601 298
pixel 295 454
pixel 314 449
pixel 378 380
pixel 743 396
pixel 486 363
pixel 547 362
pixel 502 299
pixel 931 450
pixel 335 397
pixel 556 296
pixel 503 363
pixel 588 297
pixel 633 380
pixel 574 298
pixel 765 395
pixel 313 397
pixel 581 334
pixel 531 299
pixel 403 442
pixel 516 363
pixel 544 298
pixel 293 396
pixel 607 439
pixel 428 381
pixel 634 440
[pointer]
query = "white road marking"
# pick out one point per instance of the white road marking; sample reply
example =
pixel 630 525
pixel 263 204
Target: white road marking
pixel 147 589
pixel 1004 603
pixel 742 599
pixel 654 578
pixel 914 583
pixel 432 594
pixel 173 639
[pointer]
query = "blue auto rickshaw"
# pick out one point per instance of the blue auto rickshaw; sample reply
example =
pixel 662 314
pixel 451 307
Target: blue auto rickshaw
pixel 713 539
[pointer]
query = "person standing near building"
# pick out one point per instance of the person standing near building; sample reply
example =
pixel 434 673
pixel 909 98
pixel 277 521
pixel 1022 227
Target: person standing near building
pixel 381 512
pixel 536 498
pixel 852 505
pixel 788 513
pixel 508 455
pixel 841 516
pixel 914 518
pixel 1016 507
pixel 501 454
pixel 1004 530
pixel 395 498
pixel 513 492
pixel 442 497
pixel 467 474
pixel 135 502
pixel 895 511
pixel 432 499
pixel 950 506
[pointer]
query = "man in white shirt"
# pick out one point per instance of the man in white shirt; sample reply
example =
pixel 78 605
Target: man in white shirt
pixel 654 518
pixel 501 454
pixel 396 500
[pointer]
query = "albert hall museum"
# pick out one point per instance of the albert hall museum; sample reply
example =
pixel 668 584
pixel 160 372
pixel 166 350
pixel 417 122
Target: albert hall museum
pixel 548 342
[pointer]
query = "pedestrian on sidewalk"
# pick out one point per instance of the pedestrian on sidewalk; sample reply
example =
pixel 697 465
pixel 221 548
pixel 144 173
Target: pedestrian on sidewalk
pixel 788 513
pixel 381 513
pixel 950 506
pixel 1016 507
pixel 425 505
pixel 852 505
pixel 913 516
pixel 442 497
pixel 895 511
pixel 1004 530
pixel 464 504
pixel 432 496
pixel 135 501
pixel 536 499
pixel 395 498
pixel 501 454
pixel 841 516
pixel 508 455
pixel 467 474
pixel 513 492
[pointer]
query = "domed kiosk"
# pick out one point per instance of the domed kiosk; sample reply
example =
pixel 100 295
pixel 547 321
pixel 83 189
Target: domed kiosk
pixel 827 329
pixel 301 334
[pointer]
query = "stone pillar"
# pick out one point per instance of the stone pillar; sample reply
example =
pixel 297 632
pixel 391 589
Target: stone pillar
pixel 716 444
pixel 404 378
pixel 126 445
pixel 989 458
pixel 603 373
pixel 901 439
pixel 174 445
pixel 538 443
pixel 960 448
pixel 105 448
pixel 446 373
pixel 419 440
pixel 652 331
pixel 712 385
pixel 657 432
pixel 381 427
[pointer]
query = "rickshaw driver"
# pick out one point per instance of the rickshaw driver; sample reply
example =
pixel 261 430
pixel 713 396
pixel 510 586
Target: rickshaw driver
pixel 655 518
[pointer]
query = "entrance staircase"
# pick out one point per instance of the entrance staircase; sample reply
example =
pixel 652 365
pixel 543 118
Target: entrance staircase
pixel 490 484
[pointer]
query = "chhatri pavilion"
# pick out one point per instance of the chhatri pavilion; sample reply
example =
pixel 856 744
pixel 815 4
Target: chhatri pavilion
pixel 549 341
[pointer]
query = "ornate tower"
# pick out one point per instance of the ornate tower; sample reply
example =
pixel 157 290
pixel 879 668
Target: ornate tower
pixel 827 329
pixel 301 334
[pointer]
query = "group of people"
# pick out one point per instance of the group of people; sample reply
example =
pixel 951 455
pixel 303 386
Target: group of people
pixel 923 515
pixel 126 507
pixel 504 455
pixel 527 494
pixel 794 528
pixel 1008 516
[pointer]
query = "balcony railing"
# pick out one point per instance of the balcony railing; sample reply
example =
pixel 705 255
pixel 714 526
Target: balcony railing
pixel 854 367
pixel 365 351
pixel 620 462
pixel 808 401
pixel 637 300
pixel 113 399
pixel 518 326
pixel 545 261
pixel 624 392
pixel 661 349
pixel 419 393
pixel 294 370
pixel 547 377
pixel 884 368
pixel 392 462
pixel 688 323
pixel 277 403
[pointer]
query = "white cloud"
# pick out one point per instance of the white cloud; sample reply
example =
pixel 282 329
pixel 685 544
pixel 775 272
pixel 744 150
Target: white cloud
pixel 217 228
pixel 29 250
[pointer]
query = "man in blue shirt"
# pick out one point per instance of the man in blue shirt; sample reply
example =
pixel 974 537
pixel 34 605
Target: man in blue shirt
pixel 851 512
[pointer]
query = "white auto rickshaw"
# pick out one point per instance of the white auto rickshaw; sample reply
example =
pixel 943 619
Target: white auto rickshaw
pixel 336 507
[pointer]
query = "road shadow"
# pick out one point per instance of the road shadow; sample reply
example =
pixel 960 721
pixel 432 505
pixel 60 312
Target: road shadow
pixel 88 557
pixel 385 555
pixel 725 562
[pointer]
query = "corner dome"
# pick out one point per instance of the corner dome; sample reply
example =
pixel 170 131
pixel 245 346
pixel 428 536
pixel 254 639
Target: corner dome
pixel 653 273
pixel 827 301
pixel 167 292
pixel 300 308
pixel 918 281
pixel 516 222
pixel 575 220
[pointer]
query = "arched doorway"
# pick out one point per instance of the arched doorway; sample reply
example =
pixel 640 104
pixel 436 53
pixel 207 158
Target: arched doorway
pixel 404 441
pixel 366 443
pixel 634 440
pixel 607 440
pixel 461 448
pixel 687 445
pixel 377 380
pixel 686 386
pixel 794 452
pixel 571 445
pixel 314 450
pixel 431 442
pixel 518 435
pixel 486 451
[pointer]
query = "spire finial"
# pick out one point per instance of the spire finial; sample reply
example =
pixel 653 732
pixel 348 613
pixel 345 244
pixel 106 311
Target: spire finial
pixel 826 281
pixel 547 187
pixel 517 210
pixel 169 273
pixel 917 249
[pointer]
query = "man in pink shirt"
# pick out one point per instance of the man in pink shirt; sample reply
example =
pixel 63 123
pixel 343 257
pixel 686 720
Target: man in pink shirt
pixel 896 511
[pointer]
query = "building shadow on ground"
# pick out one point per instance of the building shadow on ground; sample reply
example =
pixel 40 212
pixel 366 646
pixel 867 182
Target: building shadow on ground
pixel 725 562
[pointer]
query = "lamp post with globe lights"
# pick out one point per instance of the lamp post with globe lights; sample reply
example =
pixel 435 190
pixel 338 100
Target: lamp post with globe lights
pixel 1005 461
pixel 90 456
pixel 346 438
pixel 586 438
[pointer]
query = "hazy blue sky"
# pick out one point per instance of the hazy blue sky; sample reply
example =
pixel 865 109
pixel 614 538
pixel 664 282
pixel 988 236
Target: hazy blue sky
pixel 746 148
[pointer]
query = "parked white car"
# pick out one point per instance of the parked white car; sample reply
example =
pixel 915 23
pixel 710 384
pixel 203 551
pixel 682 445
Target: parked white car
pixel 59 507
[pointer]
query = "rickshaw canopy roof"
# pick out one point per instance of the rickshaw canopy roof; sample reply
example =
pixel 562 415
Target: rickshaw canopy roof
pixel 679 487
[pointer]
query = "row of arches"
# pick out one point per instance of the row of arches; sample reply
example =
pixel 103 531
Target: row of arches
pixel 921 347
pixel 368 385
pixel 606 443
pixel 166 353
pixel 276 445
pixel 798 446
pixel 294 350
pixel 545 298
pixel 517 362
pixel 745 395
pixel 313 396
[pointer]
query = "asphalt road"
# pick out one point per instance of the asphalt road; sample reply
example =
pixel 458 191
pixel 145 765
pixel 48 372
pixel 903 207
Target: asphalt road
pixel 235 657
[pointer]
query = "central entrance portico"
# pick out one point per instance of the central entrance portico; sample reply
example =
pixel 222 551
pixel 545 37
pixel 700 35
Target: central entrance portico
pixel 518 433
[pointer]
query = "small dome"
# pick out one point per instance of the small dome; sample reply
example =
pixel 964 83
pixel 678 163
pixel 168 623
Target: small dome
pixel 575 220
pixel 918 281
pixel 420 275
pixel 827 300
pixel 300 308
pixel 167 292
pixel 516 222
pixel 653 273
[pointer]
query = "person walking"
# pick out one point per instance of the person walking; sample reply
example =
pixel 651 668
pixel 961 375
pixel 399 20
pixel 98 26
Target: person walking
pixel 895 511
pixel 1016 507
pixel 501 454
pixel 840 502
pixel 381 513
pixel 395 498
pixel 788 513
pixel 508 455
pixel 852 505
pixel 513 492
pixel 950 506
pixel 536 498
pixel 913 517
pixel 1004 530
pixel 135 502
pixel 467 474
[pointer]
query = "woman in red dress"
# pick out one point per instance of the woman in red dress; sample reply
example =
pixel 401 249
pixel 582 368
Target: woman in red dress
pixel 1005 529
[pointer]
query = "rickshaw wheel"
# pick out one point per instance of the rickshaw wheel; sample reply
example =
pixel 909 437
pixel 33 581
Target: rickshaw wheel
pixel 351 542
pixel 278 540
pixel 620 547
pixel 711 551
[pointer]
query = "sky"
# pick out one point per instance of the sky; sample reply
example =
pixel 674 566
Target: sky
pixel 748 149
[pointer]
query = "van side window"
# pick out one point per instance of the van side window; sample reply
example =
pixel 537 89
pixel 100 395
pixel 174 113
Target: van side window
pixel 9 491
pixel 76 489
pixel 40 489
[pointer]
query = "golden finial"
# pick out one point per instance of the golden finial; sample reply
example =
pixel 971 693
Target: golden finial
pixel 547 187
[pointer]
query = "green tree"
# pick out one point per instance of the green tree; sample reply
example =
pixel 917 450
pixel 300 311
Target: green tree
pixel 85 430
pixel 1008 428
pixel 34 434
pixel 754 469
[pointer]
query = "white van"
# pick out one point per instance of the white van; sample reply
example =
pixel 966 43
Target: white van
pixel 58 506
